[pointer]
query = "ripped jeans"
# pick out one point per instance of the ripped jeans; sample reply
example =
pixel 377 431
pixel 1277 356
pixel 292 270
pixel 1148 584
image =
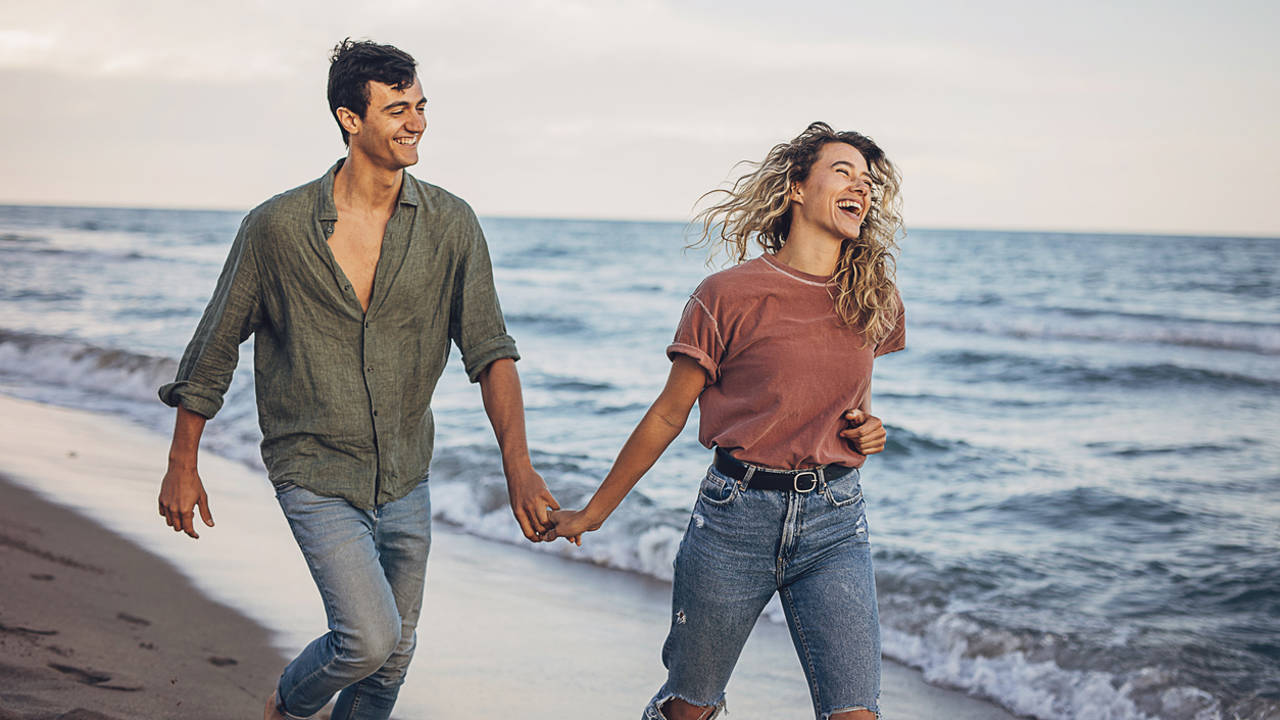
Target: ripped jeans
pixel 370 566
pixel 740 548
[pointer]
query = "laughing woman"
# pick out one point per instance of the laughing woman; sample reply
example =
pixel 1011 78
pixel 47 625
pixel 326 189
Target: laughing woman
pixel 778 352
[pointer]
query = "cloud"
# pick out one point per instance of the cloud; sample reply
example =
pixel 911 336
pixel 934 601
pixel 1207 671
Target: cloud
pixel 996 111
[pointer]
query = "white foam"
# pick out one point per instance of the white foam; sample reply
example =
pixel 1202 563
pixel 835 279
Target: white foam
pixel 1041 689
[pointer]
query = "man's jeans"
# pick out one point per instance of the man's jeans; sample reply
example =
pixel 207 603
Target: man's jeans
pixel 369 567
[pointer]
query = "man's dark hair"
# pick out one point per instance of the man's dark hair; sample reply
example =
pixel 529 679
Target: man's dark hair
pixel 353 64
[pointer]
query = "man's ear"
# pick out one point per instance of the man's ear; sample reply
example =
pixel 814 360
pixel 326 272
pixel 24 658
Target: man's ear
pixel 350 121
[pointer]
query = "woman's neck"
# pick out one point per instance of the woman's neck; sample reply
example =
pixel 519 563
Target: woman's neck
pixel 813 253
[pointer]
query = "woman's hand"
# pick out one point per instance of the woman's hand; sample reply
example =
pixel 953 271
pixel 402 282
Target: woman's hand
pixel 570 524
pixel 865 433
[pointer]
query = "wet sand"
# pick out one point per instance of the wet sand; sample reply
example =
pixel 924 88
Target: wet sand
pixel 93 627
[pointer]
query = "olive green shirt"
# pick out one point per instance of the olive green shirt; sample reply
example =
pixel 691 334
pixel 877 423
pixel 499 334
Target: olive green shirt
pixel 344 395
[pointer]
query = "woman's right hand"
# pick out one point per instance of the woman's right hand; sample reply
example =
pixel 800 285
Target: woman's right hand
pixel 570 524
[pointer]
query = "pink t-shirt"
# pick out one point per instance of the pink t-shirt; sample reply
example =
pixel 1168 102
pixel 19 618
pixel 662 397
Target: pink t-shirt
pixel 782 370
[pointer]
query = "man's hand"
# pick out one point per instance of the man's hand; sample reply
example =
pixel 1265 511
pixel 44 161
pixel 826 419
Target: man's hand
pixel 865 433
pixel 570 524
pixel 180 492
pixel 531 502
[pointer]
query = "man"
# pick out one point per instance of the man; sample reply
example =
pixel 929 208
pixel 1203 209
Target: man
pixel 353 286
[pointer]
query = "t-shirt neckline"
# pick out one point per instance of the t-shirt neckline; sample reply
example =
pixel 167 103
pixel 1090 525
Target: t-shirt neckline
pixel 800 275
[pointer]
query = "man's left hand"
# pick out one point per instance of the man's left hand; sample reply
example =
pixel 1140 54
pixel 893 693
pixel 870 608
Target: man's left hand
pixel 530 502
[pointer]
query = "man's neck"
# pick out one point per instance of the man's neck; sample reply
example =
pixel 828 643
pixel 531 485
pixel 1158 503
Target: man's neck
pixel 364 187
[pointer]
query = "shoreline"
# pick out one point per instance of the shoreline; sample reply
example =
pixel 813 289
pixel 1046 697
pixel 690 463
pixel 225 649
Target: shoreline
pixel 505 632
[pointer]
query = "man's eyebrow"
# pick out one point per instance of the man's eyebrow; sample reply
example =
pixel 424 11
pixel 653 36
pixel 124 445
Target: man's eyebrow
pixel 403 103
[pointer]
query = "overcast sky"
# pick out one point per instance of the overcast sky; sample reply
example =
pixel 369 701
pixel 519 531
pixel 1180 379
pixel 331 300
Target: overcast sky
pixel 1128 116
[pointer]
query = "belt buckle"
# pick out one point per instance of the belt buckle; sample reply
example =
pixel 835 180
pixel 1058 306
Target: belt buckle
pixel 813 481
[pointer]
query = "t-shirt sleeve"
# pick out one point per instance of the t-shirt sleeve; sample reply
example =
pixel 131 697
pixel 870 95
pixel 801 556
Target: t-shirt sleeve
pixel 897 338
pixel 698 336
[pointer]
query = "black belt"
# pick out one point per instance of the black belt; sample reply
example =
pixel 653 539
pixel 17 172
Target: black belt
pixel 801 481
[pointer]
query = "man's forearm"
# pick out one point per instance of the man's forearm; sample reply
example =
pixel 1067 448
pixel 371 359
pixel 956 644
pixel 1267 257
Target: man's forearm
pixel 504 404
pixel 187 430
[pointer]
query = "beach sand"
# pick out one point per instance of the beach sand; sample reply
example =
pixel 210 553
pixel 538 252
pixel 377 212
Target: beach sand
pixel 94 625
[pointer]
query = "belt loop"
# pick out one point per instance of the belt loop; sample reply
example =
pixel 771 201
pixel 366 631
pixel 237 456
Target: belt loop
pixel 746 479
pixel 822 478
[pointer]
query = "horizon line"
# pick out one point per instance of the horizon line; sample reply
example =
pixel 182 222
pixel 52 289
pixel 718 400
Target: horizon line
pixel 1016 229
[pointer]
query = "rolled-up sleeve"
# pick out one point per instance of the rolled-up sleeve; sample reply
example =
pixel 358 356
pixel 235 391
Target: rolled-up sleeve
pixel 476 325
pixel 233 313
pixel 698 336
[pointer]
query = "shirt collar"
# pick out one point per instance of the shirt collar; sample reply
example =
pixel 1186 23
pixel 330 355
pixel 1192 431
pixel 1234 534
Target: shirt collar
pixel 409 194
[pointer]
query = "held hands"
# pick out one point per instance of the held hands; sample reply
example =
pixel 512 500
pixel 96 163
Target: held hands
pixel 570 524
pixel 865 433
pixel 181 492
pixel 531 503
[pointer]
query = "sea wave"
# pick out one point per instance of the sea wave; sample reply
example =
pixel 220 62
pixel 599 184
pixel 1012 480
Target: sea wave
pixel 1076 372
pixel 66 362
pixel 1254 337
pixel 1015 671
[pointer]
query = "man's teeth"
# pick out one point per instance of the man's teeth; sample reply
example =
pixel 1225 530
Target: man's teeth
pixel 407 141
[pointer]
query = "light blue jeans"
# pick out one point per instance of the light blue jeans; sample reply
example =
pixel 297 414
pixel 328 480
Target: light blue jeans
pixel 369 566
pixel 741 547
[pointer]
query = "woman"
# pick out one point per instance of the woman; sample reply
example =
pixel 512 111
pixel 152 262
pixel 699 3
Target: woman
pixel 778 352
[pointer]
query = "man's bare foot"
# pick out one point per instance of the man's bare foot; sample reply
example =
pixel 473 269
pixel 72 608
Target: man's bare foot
pixel 271 712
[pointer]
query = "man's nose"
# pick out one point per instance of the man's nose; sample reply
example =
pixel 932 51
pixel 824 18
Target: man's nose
pixel 418 123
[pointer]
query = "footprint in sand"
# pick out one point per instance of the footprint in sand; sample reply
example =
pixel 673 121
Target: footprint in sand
pixel 42 576
pixel 133 619
pixel 19 630
pixel 82 714
pixel 94 678
pixel 223 661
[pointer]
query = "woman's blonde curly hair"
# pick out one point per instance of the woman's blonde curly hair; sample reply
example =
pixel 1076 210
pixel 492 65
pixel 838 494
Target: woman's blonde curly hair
pixel 758 207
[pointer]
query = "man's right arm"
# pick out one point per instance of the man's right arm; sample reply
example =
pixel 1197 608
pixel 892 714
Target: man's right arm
pixel 181 491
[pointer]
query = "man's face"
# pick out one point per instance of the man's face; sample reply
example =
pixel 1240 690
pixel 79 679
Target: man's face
pixel 392 125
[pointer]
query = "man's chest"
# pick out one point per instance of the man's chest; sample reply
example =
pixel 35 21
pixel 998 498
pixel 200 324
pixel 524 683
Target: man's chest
pixel 332 279
pixel 356 245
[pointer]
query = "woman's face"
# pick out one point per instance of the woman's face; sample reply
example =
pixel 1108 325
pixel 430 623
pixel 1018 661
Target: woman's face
pixel 836 196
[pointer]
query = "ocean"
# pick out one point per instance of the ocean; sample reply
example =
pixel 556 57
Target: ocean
pixel 1078 511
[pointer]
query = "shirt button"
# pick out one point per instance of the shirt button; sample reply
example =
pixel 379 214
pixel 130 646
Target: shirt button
pixel 375 413
pixel 366 325
pixel 369 369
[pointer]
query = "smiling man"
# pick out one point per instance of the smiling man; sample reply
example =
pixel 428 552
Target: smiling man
pixel 353 287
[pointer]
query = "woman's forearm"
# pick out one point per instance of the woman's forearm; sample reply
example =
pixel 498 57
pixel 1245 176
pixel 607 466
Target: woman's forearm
pixel 646 444
pixel 660 425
